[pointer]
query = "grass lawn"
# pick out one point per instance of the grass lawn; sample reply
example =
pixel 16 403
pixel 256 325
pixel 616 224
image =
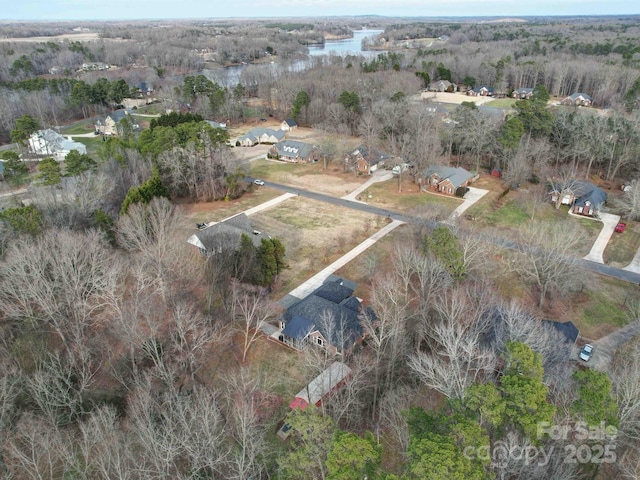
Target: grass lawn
pixel 94 144
pixel 501 103
pixel 602 307
pixel 315 234
pixel 623 246
pixel 85 127
pixel 277 171
pixel 152 109
pixel 216 211
pixel 409 200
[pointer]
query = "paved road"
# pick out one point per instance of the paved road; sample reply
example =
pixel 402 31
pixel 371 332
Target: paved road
pixel 620 274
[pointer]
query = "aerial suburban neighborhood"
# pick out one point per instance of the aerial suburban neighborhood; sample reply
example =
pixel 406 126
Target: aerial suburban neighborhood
pixel 320 248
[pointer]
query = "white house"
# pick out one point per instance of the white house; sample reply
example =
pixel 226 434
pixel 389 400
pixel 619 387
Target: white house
pixel 47 143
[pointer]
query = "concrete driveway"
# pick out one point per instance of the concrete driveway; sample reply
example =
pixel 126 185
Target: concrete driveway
pixel 634 266
pixel 471 197
pixel 609 223
pixel 377 176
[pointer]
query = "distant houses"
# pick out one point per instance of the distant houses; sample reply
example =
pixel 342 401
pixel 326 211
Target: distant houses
pixel 288 125
pixel 523 93
pixel 47 143
pixel 482 91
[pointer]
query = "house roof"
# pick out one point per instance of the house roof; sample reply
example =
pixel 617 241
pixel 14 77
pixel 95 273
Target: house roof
pixel 487 88
pixel 524 91
pixel 56 142
pixel 327 311
pixel 584 192
pixel 292 148
pixel 321 386
pixel 576 96
pixel 371 155
pixel 117 115
pixel 291 122
pixel 226 234
pixel 568 329
pixel 257 132
pixel 457 176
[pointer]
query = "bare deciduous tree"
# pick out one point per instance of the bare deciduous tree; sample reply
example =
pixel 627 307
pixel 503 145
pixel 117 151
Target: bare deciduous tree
pixel 546 257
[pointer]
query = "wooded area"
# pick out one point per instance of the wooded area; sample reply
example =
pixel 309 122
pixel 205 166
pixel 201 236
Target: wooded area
pixel 127 355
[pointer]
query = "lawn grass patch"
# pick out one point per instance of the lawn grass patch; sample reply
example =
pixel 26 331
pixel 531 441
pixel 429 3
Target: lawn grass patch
pixel 622 247
pixel 501 103
pixel 277 171
pixel 605 306
pixel 409 200
pixel 510 214
pixel 80 128
pixel 93 144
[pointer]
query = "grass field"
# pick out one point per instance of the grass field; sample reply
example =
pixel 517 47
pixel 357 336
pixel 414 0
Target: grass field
pixel 623 246
pixel 501 103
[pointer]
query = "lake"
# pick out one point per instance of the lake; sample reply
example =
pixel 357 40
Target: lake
pixel 230 76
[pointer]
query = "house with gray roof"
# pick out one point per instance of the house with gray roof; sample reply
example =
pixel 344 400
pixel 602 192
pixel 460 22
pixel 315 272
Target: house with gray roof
pixel 329 318
pixel 577 100
pixel 213 124
pixel 260 135
pixel 523 93
pixel 441 86
pixel 47 143
pixel 294 151
pixel 583 197
pixel 218 238
pixel 482 91
pixel 288 124
pixel 366 159
pixel 110 125
pixel 447 180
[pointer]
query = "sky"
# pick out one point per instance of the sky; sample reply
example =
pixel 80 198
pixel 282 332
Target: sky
pixel 176 9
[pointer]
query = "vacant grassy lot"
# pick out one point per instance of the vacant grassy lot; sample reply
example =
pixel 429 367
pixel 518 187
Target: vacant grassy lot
pixel 315 234
pixel 409 199
pixel 501 103
pixel 216 211
pixel 79 128
pixel 623 246
pixel 313 177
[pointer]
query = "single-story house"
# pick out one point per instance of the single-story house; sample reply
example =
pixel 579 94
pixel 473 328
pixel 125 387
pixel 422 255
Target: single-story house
pixel 577 100
pixel 224 236
pixel 328 318
pixel 260 135
pixel 288 124
pixel 47 143
pixel 583 197
pixel 366 159
pixel 442 86
pixel 447 180
pixel 293 151
pixel 110 125
pixel 523 93
pixel 482 91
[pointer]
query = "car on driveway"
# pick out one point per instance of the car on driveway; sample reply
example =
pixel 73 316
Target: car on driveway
pixel 620 227
pixel 257 181
pixel 586 352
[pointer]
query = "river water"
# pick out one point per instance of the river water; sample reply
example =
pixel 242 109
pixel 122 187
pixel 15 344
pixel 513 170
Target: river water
pixel 230 76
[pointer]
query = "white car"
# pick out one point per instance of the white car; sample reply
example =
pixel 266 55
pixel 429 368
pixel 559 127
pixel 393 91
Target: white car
pixel 258 182
pixel 586 352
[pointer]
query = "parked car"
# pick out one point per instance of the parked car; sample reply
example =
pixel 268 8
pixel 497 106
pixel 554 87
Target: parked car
pixel 586 352
pixel 620 227
pixel 258 181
